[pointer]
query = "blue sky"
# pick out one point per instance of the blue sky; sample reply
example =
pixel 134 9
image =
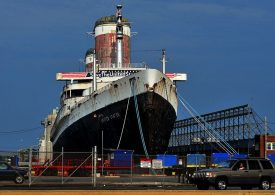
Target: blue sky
pixel 227 48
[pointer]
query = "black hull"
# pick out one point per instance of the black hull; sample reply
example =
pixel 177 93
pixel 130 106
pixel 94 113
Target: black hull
pixel 157 117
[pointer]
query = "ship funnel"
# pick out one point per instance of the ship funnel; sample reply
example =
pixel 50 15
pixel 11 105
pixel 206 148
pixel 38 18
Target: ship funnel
pixel 119 36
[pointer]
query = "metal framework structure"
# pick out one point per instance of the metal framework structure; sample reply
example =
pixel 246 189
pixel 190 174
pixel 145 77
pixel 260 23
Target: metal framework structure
pixel 237 126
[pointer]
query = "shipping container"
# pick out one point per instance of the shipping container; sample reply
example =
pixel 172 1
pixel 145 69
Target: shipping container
pixel 121 158
pixel 238 156
pixel 168 160
pixel 272 158
pixel 218 158
pixel 196 160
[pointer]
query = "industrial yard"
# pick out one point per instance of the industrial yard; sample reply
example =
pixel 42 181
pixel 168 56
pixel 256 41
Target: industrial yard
pixel 124 169
pixel 194 115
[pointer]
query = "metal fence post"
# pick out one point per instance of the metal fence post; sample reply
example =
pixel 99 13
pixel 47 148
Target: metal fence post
pixel 163 169
pixel 132 167
pixel 92 174
pixel 95 159
pixel 30 167
pixel 196 163
pixel 62 165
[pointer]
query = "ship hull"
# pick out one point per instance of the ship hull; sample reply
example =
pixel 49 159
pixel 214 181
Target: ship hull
pixel 79 126
pixel 157 117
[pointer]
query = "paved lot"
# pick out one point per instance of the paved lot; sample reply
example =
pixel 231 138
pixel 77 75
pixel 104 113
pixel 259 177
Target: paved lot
pixel 134 192
pixel 102 184
pixel 105 183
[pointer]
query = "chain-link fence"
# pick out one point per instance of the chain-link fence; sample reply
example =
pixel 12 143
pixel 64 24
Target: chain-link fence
pixel 117 167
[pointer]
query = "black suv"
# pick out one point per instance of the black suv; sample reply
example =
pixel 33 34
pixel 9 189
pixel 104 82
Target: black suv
pixel 246 173
pixel 9 173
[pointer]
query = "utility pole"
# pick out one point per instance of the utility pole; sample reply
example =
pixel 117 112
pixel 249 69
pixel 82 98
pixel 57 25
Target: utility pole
pixel 30 166
pixel 265 128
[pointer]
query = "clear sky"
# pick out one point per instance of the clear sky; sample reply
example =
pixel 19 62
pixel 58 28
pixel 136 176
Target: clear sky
pixel 227 48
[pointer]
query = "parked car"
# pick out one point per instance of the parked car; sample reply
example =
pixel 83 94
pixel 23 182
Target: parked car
pixel 7 172
pixel 246 173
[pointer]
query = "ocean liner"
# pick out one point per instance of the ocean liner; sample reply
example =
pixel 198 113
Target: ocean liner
pixel 129 106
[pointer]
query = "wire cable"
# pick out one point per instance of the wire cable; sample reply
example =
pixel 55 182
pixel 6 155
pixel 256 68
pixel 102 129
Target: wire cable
pixel 223 144
pixel 210 127
pixel 19 131
pixel 203 127
pixel 132 82
pixel 123 123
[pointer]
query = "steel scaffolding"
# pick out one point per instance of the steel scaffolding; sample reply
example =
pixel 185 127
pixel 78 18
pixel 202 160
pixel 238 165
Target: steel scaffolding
pixel 238 126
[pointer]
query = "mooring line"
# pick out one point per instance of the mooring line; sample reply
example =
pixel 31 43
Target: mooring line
pixel 132 82
pixel 123 123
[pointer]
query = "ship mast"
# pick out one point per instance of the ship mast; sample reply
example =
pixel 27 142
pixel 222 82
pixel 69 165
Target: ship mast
pixel 119 36
pixel 163 60
pixel 94 71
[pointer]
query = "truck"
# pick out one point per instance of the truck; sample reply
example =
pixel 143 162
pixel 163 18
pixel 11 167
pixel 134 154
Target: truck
pixel 245 173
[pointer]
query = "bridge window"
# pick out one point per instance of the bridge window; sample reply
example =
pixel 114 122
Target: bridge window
pixel 77 93
pixel 270 145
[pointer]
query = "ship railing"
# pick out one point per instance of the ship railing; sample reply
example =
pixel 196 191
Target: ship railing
pixel 139 65
pixel 132 65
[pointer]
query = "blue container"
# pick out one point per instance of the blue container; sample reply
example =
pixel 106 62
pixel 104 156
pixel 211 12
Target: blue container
pixel 196 160
pixel 240 156
pixel 121 158
pixel 168 160
pixel 218 158
pixel 272 158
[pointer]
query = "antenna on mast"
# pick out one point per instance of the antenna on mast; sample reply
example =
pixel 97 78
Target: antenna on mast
pixel 163 60
pixel 119 36
pixel 94 71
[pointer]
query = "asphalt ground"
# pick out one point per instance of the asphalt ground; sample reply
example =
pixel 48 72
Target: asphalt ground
pixel 133 192
pixel 137 183
pixel 102 183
